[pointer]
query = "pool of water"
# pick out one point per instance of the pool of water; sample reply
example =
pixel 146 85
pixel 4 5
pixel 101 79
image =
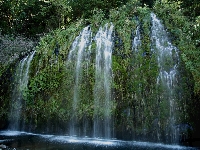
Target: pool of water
pixel 30 141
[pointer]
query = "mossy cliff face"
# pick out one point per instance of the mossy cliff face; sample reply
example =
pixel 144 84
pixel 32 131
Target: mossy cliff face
pixel 138 111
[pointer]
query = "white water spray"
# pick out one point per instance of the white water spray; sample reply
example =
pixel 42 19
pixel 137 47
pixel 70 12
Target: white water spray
pixel 79 52
pixel 136 40
pixel 103 79
pixel 168 61
pixel 20 84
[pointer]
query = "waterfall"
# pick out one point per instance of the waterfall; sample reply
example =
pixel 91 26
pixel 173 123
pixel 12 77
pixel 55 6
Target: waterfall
pixel 79 53
pixel 168 61
pixel 20 85
pixel 103 78
pixel 136 42
pixel 79 59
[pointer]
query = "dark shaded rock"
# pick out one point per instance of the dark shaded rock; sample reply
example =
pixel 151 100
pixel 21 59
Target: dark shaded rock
pixel 3 124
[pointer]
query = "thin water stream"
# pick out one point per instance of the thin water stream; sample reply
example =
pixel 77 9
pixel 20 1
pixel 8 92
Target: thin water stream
pixel 20 84
pixel 167 80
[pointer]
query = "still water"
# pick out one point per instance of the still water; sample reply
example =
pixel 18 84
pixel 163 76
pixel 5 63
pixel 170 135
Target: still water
pixel 15 140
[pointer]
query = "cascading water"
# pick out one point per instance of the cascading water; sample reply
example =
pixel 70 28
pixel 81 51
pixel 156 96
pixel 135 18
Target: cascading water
pixel 20 84
pixel 168 61
pixel 79 58
pixel 136 44
pixel 79 52
pixel 136 40
pixel 138 93
pixel 103 78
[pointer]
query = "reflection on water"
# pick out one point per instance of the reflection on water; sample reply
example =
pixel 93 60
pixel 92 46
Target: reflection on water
pixel 24 141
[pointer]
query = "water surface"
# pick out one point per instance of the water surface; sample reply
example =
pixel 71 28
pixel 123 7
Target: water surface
pixel 31 141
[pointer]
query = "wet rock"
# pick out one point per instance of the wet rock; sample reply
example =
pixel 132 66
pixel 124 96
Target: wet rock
pixel 184 127
pixel 2 146
pixel 184 131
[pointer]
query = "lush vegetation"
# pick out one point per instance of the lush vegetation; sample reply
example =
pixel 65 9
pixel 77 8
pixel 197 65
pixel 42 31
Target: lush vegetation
pixel 134 75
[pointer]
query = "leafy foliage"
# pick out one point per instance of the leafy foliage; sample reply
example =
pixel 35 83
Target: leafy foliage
pixel 31 17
